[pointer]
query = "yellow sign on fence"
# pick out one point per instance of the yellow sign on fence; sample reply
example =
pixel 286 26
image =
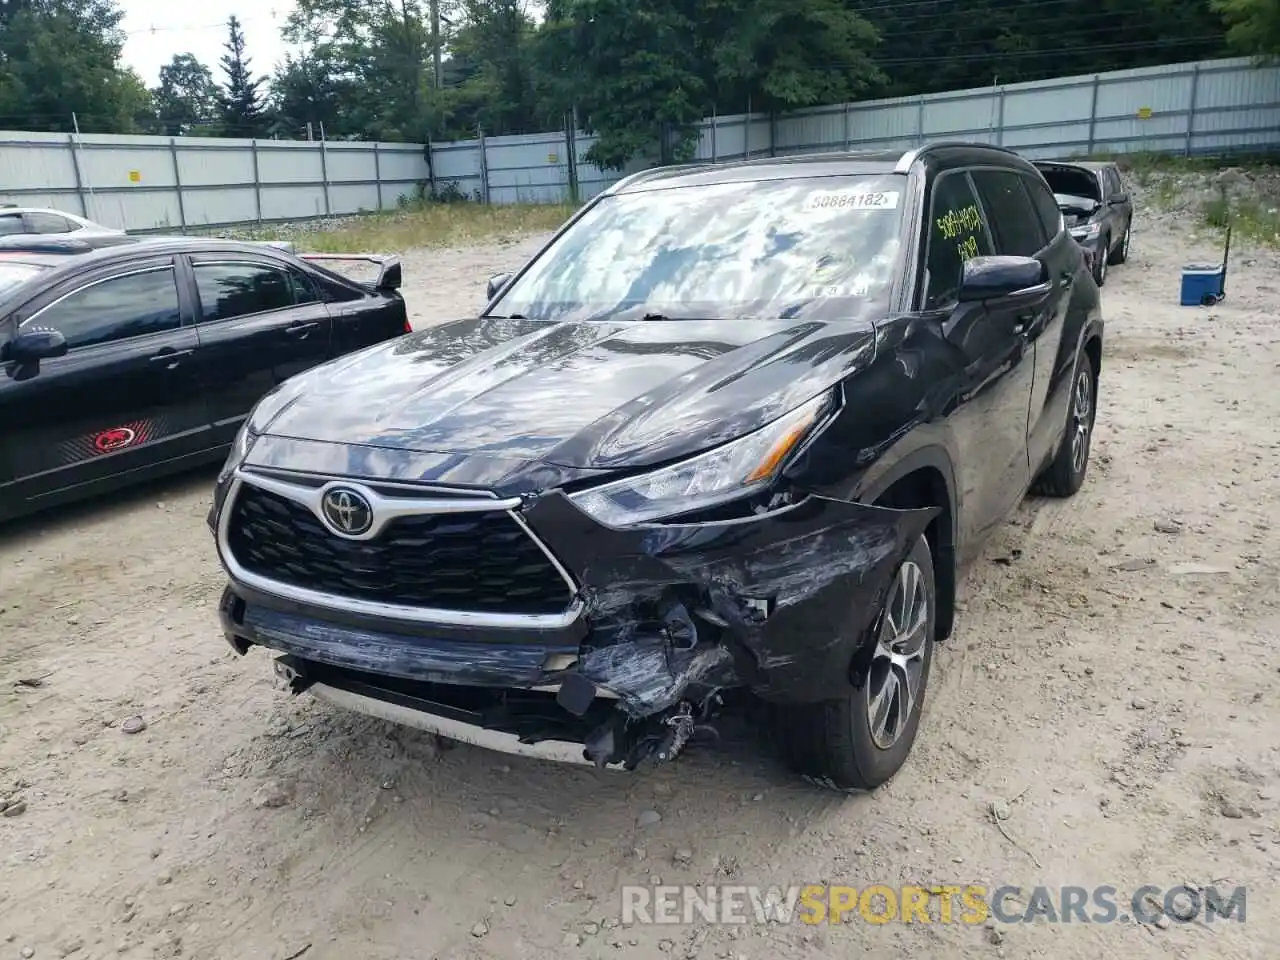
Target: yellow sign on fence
pixel 135 176
pixel 1144 113
pixel 553 158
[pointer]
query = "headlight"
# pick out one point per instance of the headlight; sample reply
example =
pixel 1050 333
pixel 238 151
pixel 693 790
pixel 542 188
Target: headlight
pixel 737 469
pixel 1085 233
pixel 240 448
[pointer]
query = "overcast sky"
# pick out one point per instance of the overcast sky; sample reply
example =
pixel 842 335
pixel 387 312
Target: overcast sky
pixel 157 29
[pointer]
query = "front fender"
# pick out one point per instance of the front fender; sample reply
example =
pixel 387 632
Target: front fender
pixel 780 602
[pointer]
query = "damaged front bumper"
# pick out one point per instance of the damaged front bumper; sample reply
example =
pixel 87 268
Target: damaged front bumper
pixel 667 617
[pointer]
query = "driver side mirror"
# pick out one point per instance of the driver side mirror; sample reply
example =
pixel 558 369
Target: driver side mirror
pixel 1119 198
pixel 990 278
pixel 34 344
pixel 496 283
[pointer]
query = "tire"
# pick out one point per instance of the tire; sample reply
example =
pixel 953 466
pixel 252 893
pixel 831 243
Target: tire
pixel 1100 262
pixel 1065 473
pixel 832 744
pixel 1121 253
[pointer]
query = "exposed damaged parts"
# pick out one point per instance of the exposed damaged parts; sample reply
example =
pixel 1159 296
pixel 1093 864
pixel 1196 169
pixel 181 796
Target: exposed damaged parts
pixel 679 611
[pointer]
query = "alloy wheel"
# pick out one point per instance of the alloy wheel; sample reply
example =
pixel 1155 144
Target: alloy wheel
pixel 1081 420
pixel 1128 232
pixel 897 667
pixel 1102 265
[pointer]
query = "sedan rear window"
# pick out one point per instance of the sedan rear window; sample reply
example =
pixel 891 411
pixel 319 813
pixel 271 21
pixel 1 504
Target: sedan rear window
pixel 1073 182
pixel 12 274
pixel 815 246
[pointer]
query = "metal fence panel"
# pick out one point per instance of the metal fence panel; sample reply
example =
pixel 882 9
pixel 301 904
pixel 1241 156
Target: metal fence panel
pixel 533 168
pixel 171 183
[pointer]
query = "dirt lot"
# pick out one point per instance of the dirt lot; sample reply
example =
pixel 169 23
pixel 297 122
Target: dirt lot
pixel 1111 688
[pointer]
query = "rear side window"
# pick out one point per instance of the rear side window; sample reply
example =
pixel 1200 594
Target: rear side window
pixel 49 223
pixel 11 224
pixel 957 232
pixel 1014 219
pixel 132 305
pixel 1046 206
pixel 304 290
pixel 229 290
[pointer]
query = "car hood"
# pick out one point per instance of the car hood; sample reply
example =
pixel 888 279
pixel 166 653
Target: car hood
pixel 589 394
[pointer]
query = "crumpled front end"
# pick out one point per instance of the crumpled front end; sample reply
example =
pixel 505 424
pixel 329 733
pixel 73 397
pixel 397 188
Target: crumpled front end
pixel 659 620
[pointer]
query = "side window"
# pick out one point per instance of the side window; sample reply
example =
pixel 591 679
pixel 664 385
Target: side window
pixel 229 290
pixel 1014 219
pixel 133 305
pixel 1046 206
pixel 11 224
pixel 956 233
pixel 304 290
pixel 48 223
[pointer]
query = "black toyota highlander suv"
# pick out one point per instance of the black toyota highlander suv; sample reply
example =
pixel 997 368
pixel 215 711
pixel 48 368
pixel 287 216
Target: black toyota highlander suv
pixel 734 427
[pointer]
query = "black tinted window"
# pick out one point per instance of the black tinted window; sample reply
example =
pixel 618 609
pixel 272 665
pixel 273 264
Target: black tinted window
pixel 128 306
pixel 304 291
pixel 230 290
pixel 1013 217
pixel 11 224
pixel 957 232
pixel 1046 206
pixel 49 223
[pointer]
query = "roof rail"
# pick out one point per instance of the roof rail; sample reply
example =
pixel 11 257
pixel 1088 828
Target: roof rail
pixel 641 175
pixel 35 244
pixel 910 157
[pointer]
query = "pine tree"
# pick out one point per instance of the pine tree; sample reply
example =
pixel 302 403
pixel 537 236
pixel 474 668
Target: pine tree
pixel 239 100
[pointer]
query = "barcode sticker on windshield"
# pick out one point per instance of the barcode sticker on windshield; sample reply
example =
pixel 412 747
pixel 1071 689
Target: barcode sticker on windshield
pixel 853 199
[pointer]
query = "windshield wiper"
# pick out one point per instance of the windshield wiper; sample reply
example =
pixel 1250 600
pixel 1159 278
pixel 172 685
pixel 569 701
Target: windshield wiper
pixel 660 317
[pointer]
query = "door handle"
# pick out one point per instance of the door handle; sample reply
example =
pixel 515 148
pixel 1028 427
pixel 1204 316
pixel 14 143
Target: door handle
pixel 300 330
pixel 171 357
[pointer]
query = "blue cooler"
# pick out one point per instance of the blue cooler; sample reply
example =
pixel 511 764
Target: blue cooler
pixel 1206 284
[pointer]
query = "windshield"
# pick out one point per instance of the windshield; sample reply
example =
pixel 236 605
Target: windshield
pixel 12 274
pixel 823 247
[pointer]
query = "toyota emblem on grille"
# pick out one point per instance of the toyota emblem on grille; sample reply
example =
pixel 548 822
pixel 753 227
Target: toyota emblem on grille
pixel 347 512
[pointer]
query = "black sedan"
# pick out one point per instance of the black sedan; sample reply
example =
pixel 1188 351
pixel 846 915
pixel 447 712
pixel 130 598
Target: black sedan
pixel 734 427
pixel 138 360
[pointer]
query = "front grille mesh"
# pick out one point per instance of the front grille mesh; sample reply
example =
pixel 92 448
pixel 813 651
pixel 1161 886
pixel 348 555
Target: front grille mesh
pixel 469 562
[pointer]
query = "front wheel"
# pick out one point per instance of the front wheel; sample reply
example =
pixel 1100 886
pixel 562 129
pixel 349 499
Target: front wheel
pixel 859 741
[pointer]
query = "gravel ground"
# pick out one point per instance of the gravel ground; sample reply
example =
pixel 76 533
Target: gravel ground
pixel 1110 690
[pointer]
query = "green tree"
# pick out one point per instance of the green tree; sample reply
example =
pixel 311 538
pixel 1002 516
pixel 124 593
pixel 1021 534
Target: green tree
pixel 492 70
pixel 186 101
pixel 307 92
pixel 62 57
pixel 929 46
pixel 785 56
pixel 379 55
pixel 1253 25
pixel 239 100
pixel 634 70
